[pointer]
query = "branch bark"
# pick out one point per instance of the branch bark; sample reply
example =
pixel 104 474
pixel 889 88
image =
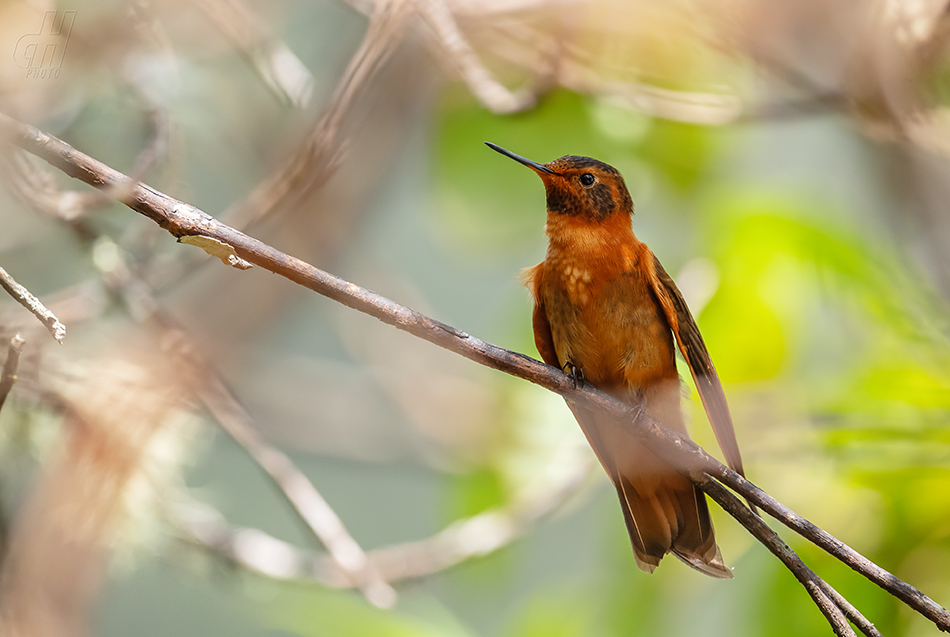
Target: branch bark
pixel 25 298
pixel 8 376
pixel 826 598
pixel 181 219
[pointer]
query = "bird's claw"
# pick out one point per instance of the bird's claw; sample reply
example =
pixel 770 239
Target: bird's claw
pixel 575 372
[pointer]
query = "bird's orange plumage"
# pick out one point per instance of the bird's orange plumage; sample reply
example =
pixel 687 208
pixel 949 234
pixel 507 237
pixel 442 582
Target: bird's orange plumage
pixel 606 310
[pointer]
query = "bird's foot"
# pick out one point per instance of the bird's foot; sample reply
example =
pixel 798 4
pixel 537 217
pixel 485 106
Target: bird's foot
pixel 575 372
pixel 636 411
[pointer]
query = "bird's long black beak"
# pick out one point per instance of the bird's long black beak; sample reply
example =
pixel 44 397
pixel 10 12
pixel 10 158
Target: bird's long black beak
pixel 520 159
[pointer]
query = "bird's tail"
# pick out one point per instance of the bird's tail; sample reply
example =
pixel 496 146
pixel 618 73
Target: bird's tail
pixel 664 511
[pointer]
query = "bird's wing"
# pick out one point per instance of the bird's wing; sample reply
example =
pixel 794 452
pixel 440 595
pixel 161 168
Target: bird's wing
pixel 697 357
pixel 543 338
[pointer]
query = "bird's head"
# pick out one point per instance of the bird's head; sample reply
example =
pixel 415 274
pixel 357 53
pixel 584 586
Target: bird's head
pixel 587 190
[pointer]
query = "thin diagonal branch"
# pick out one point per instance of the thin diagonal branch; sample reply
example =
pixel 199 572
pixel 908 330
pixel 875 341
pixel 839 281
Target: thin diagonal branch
pixel 315 511
pixel 832 545
pixel 33 304
pixel 8 376
pixel 318 156
pixel 181 219
pixel 489 91
pixel 158 129
pixel 282 71
pixel 770 539
pixel 852 613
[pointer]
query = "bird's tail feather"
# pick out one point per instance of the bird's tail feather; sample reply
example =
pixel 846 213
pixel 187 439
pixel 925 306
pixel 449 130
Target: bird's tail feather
pixel 663 510
pixel 670 516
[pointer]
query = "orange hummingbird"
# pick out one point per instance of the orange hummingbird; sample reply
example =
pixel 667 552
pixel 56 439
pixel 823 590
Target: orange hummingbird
pixel 606 311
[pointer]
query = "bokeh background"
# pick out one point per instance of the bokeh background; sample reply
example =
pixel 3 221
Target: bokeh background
pixel 788 163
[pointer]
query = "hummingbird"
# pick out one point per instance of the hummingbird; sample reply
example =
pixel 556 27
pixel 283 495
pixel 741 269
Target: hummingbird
pixel 606 312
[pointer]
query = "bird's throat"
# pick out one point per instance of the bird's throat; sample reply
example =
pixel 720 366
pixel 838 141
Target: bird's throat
pixel 579 238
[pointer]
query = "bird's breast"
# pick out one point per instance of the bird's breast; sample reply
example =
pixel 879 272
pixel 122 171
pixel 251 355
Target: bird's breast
pixel 606 320
pixel 577 282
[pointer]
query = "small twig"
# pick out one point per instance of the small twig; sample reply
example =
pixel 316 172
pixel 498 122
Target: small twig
pixel 181 219
pixel 33 304
pixel 852 613
pixel 770 539
pixel 8 377
pixel 283 72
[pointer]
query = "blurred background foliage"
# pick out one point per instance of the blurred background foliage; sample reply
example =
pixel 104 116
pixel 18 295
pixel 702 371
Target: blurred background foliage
pixel 804 220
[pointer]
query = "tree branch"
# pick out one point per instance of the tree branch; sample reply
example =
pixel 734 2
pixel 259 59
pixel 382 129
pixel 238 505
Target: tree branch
pixel 181 219
pixel 826 598
pixel 320 518
pixel 832 545
pixel 280 69
pixel 850 611
pixel 34 305
pixel 8 376
pixel 453 45
pixel 318 156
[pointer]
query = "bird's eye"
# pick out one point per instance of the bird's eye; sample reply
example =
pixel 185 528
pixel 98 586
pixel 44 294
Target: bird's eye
pixel 587 179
